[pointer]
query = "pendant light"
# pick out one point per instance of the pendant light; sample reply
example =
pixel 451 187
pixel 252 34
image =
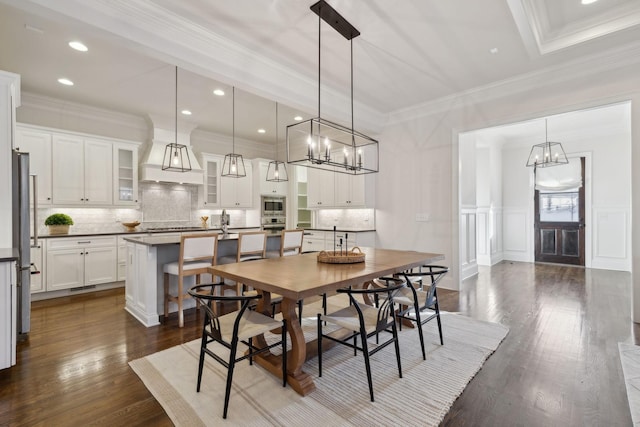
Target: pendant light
pixel 233 166
pixel 322 144
pixel 547 154
pixel 277 170
pixel 176 156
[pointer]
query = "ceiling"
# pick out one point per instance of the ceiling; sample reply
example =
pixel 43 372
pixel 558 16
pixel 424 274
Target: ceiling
pixel 411 54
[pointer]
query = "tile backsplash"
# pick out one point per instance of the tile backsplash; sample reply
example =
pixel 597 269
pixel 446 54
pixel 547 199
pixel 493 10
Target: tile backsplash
pixel 162 205
pixel 346 219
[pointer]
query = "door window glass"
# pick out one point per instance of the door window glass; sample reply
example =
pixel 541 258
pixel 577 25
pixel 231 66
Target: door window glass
pixel 559 207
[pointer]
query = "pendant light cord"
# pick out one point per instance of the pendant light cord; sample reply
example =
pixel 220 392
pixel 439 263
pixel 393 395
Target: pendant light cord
pixel 233 120
pixel 276 131
pixel 176 110
pixel 352 126
pixel 319 48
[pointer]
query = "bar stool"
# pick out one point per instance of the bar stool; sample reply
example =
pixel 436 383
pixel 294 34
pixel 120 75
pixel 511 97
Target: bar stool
pixel 290 243
pixel 197 253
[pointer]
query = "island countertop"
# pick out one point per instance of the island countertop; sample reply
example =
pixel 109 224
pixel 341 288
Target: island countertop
pixel 175 240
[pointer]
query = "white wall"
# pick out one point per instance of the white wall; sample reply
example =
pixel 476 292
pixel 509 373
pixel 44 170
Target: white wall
pixel 608 176
pixel 426 139
pixel 9 87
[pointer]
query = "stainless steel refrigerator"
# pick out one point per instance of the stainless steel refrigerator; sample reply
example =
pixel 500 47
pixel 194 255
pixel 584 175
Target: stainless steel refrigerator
pixel 22 239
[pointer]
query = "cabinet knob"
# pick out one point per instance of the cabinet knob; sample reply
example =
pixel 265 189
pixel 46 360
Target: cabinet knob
pixel 48 198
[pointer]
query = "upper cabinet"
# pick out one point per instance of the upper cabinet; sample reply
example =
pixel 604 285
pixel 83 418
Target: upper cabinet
pixel 326 189
pixel 237 193
pixel 269 188
pixel 82 171
pixel 38 144
pixel 320 189
pixel 125 174
pixel 211 166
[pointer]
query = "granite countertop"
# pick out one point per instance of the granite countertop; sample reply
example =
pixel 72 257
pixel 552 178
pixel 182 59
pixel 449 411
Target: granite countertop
pixel 175 240
pixel 8 254
pixel 139 232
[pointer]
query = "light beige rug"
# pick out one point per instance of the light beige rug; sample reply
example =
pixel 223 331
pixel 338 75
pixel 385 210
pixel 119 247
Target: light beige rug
pixel 422 397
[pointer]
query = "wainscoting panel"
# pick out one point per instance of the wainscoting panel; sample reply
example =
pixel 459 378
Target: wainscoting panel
pixel 611 239
pixel 489 236
pixel 468 248
pixel 516 237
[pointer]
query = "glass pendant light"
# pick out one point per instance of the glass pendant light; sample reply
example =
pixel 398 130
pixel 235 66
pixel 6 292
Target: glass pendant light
pixel 233 165
pixel 277 170
pixel 547 154
pixel 176 156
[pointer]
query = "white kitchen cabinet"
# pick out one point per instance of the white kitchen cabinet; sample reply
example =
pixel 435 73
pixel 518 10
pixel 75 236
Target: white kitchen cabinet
pixel 313 241
pixel 320 188
pixel 269 188
pixel 237 193
pixel 122 259
pixel 125 174
pixel 82 171
pixel 350 190
pixel 210 196
pixel 38 144
pixel 77 262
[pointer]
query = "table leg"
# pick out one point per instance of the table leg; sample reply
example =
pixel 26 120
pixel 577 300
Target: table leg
pixel 297 379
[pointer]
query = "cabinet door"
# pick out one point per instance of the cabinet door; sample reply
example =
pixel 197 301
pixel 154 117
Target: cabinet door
pixel 320 188
pixel 211 188
pixel 125 175
pixel 349 190
pixel 100 265
pixel 98 172
pixel 65 269
pixel 244 189
pixel 38 145
pixel 68 170
pixel 228 191
pixel 270 188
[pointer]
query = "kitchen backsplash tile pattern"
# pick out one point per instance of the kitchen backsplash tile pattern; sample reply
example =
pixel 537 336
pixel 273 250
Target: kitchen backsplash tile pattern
pixel 346 219
pixel 162 205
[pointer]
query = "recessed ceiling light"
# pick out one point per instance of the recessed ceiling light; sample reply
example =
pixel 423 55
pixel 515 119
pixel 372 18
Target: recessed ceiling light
pixel 588 1
pixel 297 118
pixel 65 82
pixel 493 50
pixel 218 92
pixel 261 131
pixel 78 46
pixel 186 112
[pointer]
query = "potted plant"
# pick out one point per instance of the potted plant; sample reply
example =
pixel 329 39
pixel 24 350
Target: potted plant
pixel 58 223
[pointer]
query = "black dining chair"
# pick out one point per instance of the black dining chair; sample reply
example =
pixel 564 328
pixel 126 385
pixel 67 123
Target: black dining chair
pixel 230 329
pixel 364 321
pixel 420 299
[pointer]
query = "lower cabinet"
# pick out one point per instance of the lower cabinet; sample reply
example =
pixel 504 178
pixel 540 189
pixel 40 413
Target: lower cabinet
pixel 122 259
pixel 77 262
pixel 314 241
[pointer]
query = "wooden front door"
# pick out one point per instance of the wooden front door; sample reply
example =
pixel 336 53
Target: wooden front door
pixel 559 226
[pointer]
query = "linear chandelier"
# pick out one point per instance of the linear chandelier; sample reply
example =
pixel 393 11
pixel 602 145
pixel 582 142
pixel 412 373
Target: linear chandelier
pixel 547 154
pixel 176 156
pixel 320 143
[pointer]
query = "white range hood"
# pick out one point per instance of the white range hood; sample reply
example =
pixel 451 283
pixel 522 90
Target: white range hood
pixel 151 163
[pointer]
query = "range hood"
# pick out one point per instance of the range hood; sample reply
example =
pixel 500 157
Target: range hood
pixel 151 163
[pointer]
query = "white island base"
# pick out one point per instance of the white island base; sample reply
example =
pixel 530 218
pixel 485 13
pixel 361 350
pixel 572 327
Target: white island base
pixel 144 287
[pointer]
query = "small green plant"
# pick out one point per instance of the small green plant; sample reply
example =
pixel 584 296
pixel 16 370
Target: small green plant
pixel 58 219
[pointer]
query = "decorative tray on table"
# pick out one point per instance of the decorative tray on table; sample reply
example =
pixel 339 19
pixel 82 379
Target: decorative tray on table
pixel 341 257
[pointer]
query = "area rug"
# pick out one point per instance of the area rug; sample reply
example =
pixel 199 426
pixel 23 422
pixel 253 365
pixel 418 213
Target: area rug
pixel 630 360
pixel 422 397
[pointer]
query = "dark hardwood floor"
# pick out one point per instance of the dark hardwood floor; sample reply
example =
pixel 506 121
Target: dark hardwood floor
pixel 558 366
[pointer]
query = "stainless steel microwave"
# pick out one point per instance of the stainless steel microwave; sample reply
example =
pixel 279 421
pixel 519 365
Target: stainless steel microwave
pixel 273 206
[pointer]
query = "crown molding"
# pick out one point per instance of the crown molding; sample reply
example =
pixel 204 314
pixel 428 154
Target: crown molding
pixel 58 106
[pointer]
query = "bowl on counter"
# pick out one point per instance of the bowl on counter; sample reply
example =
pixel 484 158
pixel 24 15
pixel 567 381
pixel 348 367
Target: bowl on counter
pixel 131 226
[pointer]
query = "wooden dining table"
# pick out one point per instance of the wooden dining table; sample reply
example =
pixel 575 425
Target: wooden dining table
pixel 302 276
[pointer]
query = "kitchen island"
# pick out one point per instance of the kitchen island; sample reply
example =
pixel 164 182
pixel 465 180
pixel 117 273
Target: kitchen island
pixel 144 289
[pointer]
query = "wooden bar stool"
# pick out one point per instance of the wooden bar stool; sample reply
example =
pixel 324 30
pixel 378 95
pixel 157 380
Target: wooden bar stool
pixel 197 253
